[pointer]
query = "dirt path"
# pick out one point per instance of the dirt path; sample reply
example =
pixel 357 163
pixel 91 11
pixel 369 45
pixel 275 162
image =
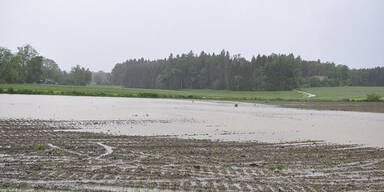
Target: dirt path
pixel 309 95
pixel 34 155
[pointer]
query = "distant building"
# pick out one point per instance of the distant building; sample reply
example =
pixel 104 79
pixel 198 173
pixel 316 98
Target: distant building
pixel 49 81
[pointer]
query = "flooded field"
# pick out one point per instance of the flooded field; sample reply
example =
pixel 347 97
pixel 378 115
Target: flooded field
pixel 199 119
pixel 59 143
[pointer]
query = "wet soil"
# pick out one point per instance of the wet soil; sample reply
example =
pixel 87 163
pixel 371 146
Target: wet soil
pixel 375 107
pixel 47 155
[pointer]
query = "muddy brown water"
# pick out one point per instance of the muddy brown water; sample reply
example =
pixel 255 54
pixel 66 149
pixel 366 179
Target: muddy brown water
pixel 216 120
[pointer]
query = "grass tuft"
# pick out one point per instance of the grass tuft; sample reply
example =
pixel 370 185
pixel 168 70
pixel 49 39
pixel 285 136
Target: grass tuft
pixel 39 147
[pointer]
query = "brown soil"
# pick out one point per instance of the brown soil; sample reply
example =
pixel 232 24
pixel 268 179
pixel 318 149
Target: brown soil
pixel 36 155
pixel 376 107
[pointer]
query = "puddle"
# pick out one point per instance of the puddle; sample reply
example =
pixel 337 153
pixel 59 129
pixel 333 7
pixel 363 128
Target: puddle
pixel 216 120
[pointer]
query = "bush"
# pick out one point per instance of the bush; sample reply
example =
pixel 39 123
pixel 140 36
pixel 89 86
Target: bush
pixel 102 94
pixel 373 97
pixel 148 95
pixel 1 90
pixel 77 93
pixel 10 90
pixel 26 91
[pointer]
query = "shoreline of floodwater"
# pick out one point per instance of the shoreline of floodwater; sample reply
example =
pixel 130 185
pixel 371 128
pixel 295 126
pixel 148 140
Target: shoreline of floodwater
pixel 352 94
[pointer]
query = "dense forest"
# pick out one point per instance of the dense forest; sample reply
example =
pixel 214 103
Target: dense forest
pixel 191 71
pixel 223 71
pixel 27 66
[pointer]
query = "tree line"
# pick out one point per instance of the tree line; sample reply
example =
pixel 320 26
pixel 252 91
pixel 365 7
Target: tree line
pixel 27 66
pixel 223 71
pixel 191 71
pixel 206 71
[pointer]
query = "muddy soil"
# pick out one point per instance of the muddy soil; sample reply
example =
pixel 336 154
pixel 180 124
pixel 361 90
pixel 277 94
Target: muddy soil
pixel 44 155
pixel 375 107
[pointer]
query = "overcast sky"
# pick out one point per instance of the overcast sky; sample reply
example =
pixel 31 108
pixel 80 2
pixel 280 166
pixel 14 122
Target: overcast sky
pixel 99 34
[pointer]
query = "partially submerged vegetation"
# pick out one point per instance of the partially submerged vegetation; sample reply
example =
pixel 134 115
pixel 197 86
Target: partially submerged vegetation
pixel 322 94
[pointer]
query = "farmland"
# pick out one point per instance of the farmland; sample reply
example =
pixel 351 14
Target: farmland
pixel 322 94
pixel 144 144
pixel 38 156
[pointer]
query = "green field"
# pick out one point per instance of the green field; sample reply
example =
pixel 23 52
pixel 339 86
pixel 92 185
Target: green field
pixel 322 94
pixel 343 93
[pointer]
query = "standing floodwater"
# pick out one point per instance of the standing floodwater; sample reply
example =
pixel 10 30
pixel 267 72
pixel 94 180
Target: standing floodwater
pixel 198 119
